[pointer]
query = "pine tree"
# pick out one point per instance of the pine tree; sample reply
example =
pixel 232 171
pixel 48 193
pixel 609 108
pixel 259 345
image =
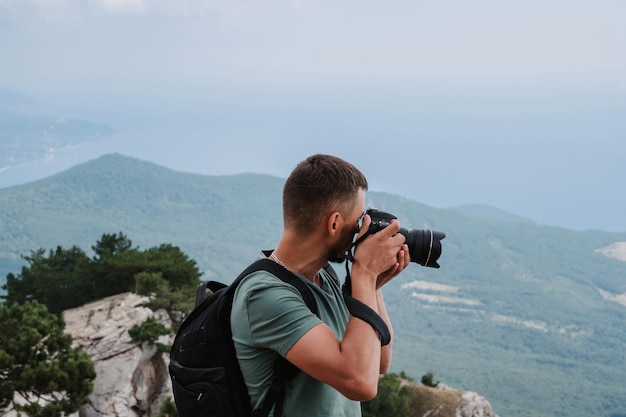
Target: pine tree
pixel 38 362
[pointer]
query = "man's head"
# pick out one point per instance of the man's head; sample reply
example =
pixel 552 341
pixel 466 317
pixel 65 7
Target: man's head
pixel 319 186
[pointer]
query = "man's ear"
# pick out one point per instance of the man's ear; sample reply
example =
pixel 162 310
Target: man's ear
pixel 334 223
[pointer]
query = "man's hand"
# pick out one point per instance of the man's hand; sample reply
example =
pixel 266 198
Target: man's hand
pixel 404 258
pixel 383 254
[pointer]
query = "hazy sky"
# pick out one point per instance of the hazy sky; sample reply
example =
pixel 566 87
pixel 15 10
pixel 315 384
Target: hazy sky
pixel 519 105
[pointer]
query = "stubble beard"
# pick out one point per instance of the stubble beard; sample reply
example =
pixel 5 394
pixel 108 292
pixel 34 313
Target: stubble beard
pixel 336 254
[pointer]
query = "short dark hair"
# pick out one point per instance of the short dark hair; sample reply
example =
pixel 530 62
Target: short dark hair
pixel 318 186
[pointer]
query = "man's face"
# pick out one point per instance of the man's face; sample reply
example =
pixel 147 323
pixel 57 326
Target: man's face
pixel 350 228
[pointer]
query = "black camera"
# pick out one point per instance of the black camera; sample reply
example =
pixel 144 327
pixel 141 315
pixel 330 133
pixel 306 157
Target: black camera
pixel 424 245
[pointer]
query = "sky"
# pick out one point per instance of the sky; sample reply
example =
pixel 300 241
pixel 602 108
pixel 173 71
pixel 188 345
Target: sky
pixel 517 105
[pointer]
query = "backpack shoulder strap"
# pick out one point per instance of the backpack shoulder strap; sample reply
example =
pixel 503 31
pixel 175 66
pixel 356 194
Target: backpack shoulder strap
pixel 284 370
pixel 287 276
pixel 212 286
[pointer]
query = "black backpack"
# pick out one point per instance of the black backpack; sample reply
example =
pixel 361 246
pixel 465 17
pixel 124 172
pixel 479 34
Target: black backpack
pixel 206 378
pixel 205 374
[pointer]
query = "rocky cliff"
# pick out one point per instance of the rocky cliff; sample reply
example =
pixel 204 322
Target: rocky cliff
pixel 132 379
pixel 444 401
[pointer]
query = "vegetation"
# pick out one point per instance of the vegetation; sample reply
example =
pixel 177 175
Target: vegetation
pixel 393 399
pixel 167 408
pixel 67 278
pixel 177 301
pixel 149 331
pixel 427 379
pixel 38 362
pixel 524 322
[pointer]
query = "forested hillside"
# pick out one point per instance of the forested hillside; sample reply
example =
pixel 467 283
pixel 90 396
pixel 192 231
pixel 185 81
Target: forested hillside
pixel 519 312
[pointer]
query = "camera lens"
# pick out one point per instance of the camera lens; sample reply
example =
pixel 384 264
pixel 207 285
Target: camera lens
pixel 424 245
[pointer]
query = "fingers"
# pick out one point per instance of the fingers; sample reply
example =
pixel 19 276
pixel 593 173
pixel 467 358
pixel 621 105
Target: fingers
pixel 392 229
pixel 403 259
pixel 391 232
pixel 382 252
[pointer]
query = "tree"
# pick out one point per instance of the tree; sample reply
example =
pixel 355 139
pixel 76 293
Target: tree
pixel 111 245
pixel 49 279
pixel 427 379
pixel 150 331
pixel 114 265
pixel 178 302
pixel 116 272
pixel 393 399
pixel 174 265
pixel 38 362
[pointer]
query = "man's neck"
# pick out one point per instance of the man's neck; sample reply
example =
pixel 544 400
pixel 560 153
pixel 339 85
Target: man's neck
pixel 301 257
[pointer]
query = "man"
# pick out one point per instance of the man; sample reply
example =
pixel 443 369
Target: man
pixel 340 356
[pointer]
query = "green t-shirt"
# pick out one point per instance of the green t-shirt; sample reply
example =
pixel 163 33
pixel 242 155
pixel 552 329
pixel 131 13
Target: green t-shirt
pixel 268 317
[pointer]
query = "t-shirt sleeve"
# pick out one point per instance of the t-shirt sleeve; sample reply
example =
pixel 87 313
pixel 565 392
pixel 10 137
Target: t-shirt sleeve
pixel 278 316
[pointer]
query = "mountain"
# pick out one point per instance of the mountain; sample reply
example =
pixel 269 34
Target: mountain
pixel 489 213
pixel 219 221
pixel 530 316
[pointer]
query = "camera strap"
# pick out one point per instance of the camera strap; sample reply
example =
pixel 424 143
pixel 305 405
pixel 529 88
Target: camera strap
pixel 365 313
pixel 357 308
pixel 349 254
pixel 349 257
